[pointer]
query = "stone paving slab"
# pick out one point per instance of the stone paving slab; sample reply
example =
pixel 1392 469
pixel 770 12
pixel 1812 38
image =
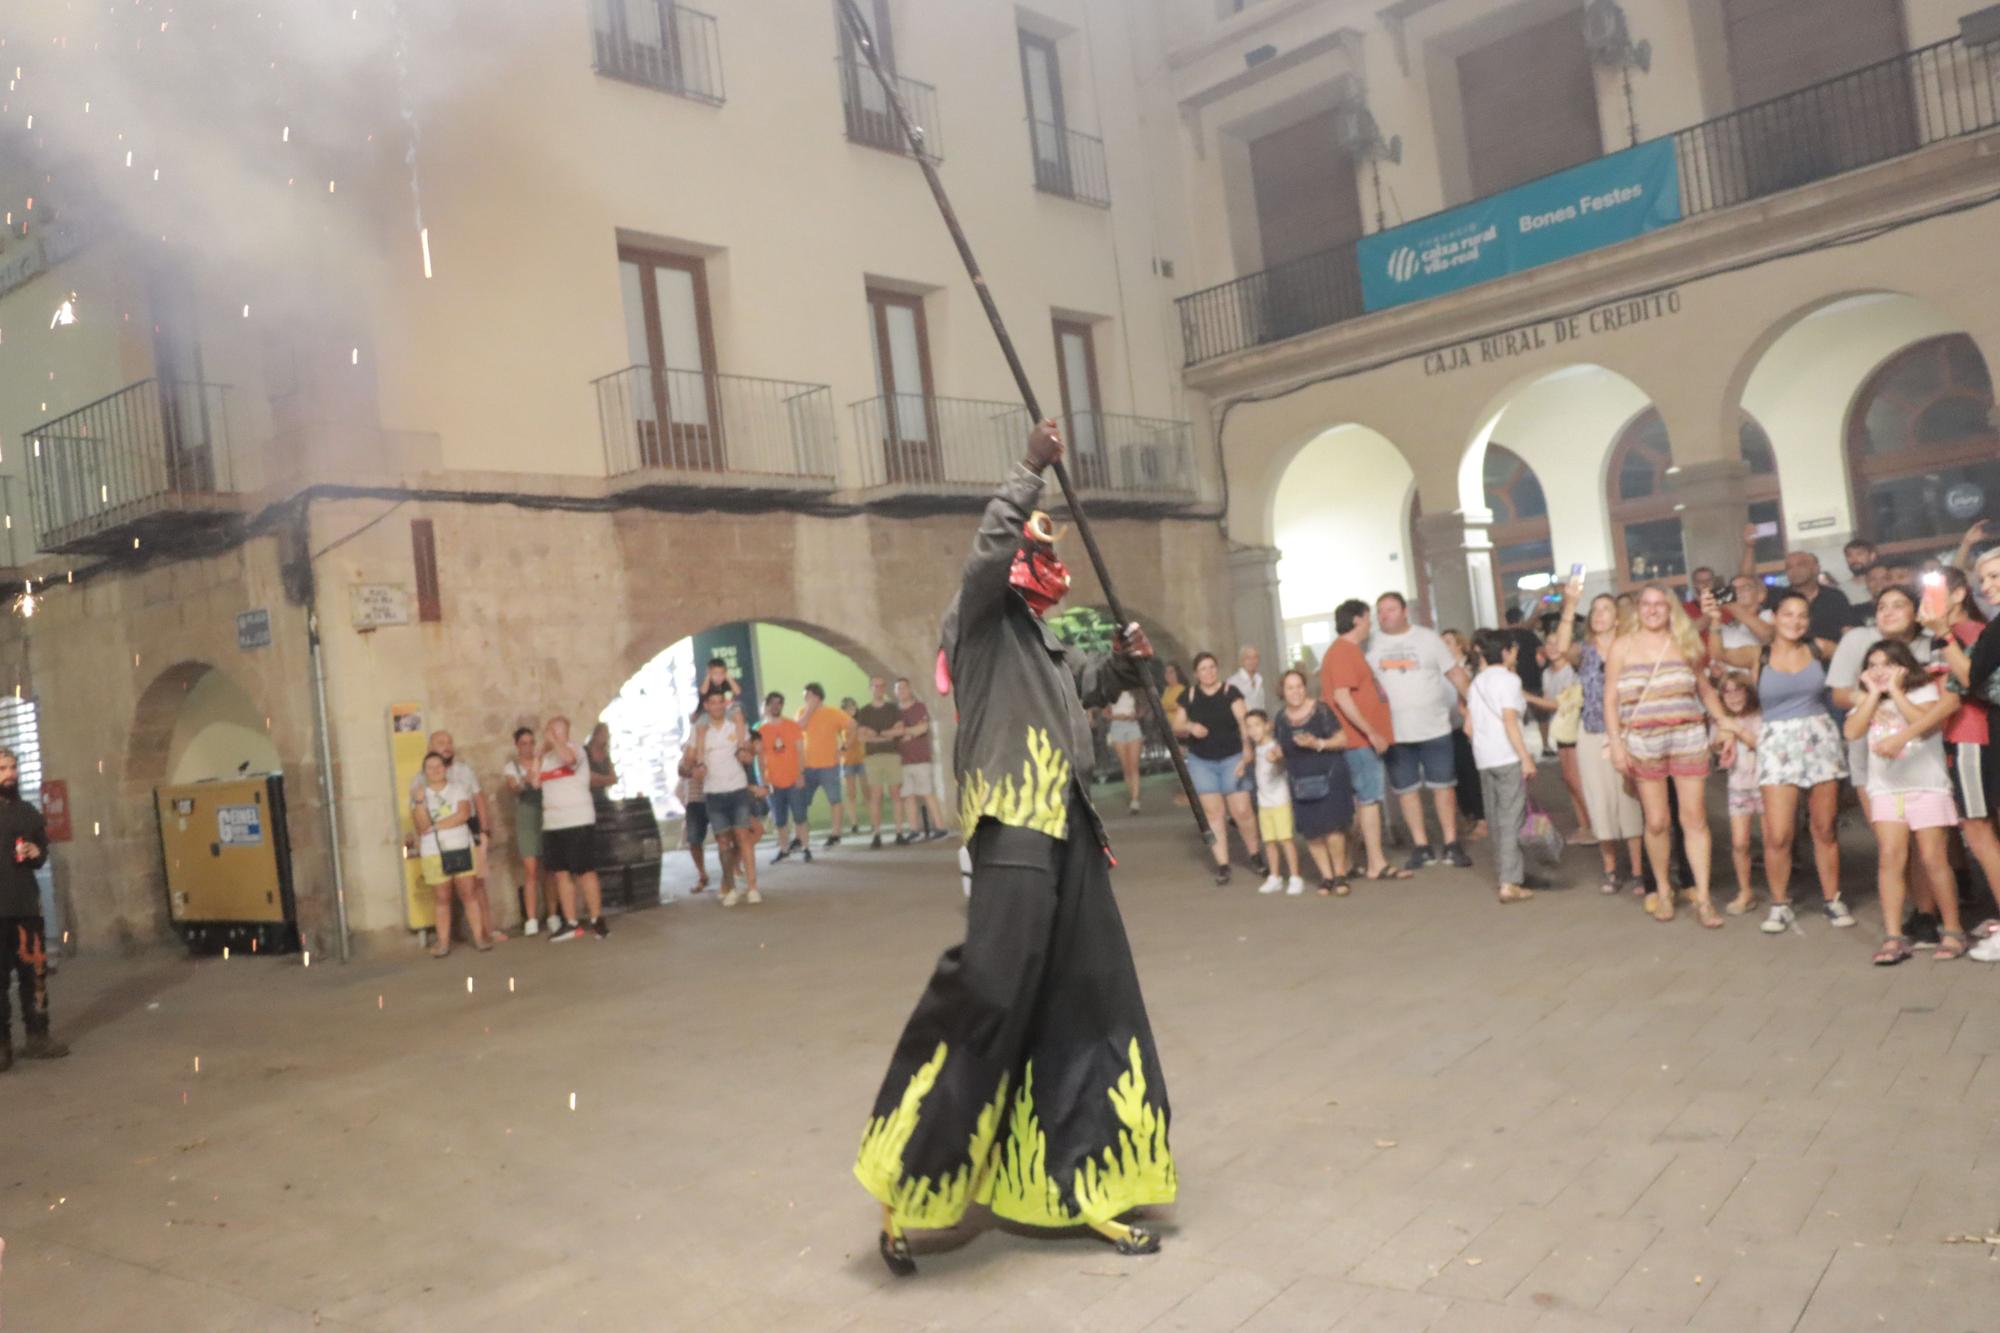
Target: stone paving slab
pixel 1409 1110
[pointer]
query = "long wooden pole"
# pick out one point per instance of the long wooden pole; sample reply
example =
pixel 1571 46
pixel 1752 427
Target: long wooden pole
pixel 913 134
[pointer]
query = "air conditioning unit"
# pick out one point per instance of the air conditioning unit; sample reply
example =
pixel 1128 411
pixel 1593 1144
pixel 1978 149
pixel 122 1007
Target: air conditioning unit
pixel 1609 38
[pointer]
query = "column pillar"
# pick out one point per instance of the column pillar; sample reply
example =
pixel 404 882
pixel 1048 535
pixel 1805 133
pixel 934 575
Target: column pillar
pixel 1456 577
pixel 1709 497
pixel 1253 583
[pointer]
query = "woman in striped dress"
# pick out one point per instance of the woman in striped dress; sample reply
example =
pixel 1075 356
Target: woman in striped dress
pixel 1658 733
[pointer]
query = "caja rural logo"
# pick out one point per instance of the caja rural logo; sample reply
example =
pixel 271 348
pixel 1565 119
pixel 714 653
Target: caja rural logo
pixel 1403 264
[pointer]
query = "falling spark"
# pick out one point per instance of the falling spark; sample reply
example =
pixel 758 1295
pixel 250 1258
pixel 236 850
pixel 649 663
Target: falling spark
pixel 309 957
pixel 197 1064
pixel 510 985
pixel 104 493
pixel 425 237
pixel 225 953
pixel 156 173
pixel 329 187
pixel 65 313
pixel 96 826
pixel 128 157
pixel 287 135
pixel 355 359
pixel 468 985
pixel 378 1002
pixel 246 312
pixel 572 1101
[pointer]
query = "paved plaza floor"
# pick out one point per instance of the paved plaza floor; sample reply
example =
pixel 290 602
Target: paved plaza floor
pixel 1411 1109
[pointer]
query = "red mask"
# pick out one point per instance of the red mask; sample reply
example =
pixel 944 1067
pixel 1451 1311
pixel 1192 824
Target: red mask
pixel 1036 571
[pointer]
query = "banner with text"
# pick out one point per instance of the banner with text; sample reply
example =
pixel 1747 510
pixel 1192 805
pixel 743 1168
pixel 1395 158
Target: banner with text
pixel 1570 213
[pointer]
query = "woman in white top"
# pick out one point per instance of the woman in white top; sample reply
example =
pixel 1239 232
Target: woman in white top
pixel 442 811
pixel 1126 739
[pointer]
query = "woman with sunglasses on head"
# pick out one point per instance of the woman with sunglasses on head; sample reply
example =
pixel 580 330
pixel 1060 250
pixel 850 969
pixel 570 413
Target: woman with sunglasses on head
pixel 1615 816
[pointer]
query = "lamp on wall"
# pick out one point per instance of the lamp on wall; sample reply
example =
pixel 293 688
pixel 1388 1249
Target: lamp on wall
pixel 1609 40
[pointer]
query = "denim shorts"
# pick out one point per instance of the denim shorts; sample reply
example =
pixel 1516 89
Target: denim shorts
pixel 1217 777
pixel 823 779
pixel 1364 774
pixel 728 810
pixel 789 805
pixel 1432 763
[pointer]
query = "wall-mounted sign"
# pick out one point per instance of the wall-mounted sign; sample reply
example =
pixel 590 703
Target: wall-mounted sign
pixel 380 604
pixel 55 809
pixel 1610 317
pixel 1965 500
pixel 1587 207
pixel 239 825
pixel 1816 523
pixel 253 629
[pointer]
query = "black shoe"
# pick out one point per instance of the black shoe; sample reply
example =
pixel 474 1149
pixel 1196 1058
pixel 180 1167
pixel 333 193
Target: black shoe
pixel 1420 858
pixel 783 852
pixel 598 928
pixel 1138 1240
pixel 896 1254
pixel 1221 875
pixel 807 853
pixel 570 930
pixel 876 845
pixel 1922 931
pixel 1258 864
pixel 1454 855
pixel 832 840
pixel 41 1046
pixel 905 839
pixel 935 834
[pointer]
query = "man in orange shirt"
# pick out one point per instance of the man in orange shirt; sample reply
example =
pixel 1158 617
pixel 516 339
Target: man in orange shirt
pixel 781 756
pixel 826 731
pixel 1351 690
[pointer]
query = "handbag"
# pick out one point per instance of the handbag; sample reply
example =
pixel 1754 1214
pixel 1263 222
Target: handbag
pixel 1569 716
pixel 1539 834
pixel 455 863
pixel 1312 787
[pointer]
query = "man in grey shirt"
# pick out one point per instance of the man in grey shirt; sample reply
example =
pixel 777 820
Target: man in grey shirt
pixel 1413 667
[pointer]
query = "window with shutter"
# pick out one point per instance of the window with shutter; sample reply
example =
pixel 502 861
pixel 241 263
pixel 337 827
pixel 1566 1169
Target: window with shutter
pixel 1530 102
pixel 423 544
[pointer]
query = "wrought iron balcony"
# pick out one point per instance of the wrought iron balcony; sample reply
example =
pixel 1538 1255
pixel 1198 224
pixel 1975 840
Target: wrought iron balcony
pixel 1865 116
pixel 1069 164
pixel 916 448
pixel 869 118
pixel 153 457
pixel 668 431
pixel 659 44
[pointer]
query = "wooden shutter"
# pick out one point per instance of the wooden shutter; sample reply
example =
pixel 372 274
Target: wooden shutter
pixel 1530 103
pixel 1306 192
pixel 423 544
pixel 1779 46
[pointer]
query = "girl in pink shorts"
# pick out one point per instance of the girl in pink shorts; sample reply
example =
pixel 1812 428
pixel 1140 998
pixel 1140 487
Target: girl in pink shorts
pixel 1909 790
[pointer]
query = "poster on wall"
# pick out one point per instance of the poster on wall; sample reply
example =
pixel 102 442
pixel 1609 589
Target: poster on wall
pixel 55 809
pixel 408 743
pixel 731 643
pixel 1573 212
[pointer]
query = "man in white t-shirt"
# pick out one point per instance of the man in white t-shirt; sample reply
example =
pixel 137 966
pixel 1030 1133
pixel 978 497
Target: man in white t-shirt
pixel 1248 680
pixel 719 753
pixel 1419 677
pixel 569 831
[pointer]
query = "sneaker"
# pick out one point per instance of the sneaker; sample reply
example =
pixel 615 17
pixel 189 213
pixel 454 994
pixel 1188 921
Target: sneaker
pixel 41 1046
pixel 598 928
pixel 1271 885
pixel 832 840
pixel 730 898
pixel 553 923
pixel 807 853
pixel 1294 887
pixel 935 834
pixel 905 839
pixel 753 897
pixel 1221 876
pixel 1420 858
pixel 1132 809
pixel 1921 930
pixel 566 934
pixel 1837 913
pixel 876 845
pixel 1986 951
pixel 531 927
pixel 1454 855
pixel 1780 919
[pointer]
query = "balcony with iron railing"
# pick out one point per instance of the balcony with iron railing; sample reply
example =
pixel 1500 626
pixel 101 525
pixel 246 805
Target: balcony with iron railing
pixel 671 432
pixel 1069 164
pixel 659 44
pixel 871 122
pixel 151 459
pixel 1868 115
pixel 920 449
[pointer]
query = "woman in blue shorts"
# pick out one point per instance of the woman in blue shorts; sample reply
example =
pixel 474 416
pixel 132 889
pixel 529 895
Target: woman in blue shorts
pixel 1219 758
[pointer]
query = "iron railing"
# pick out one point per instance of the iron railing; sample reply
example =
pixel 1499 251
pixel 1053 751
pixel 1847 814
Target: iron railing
pixel 137 450
pixel 871 122
pixel 1069 164
pixel 707 426
pixel 661 45
pixel 950 443
pixel 1867 115
pixel 1117 456
pixel 910 439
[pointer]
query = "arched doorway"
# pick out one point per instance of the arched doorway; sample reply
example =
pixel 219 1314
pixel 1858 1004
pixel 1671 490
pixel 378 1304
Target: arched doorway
pixel 1645 520
pixel 1520 528
pixel 1339 516
pixel 1923 455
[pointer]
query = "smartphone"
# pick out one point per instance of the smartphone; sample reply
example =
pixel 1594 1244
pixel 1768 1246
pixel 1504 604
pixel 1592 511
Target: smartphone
pixel 1765 531
pixel 1933 605
pixel 1724 596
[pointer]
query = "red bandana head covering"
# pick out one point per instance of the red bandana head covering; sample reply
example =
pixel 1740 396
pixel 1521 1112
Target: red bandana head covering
pixel 1036 572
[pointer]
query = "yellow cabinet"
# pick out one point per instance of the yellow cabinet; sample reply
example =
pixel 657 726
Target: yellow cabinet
pixel 229 867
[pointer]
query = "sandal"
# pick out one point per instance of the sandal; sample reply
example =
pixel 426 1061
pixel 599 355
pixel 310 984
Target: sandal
pixel 1704 912
pixel 1660 907
pixel 1894 950
pixel 1951 944
pixel 1514 893
pixel 1388 872
pixel 1333 888
pixel 1611 883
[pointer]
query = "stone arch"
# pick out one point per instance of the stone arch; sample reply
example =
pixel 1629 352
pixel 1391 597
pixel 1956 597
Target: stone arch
pixel 1932 403
pixel 1338 508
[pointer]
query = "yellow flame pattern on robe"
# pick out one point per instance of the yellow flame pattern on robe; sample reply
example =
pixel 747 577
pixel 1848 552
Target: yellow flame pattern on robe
pixel 1040 801
pixel 1012 1177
